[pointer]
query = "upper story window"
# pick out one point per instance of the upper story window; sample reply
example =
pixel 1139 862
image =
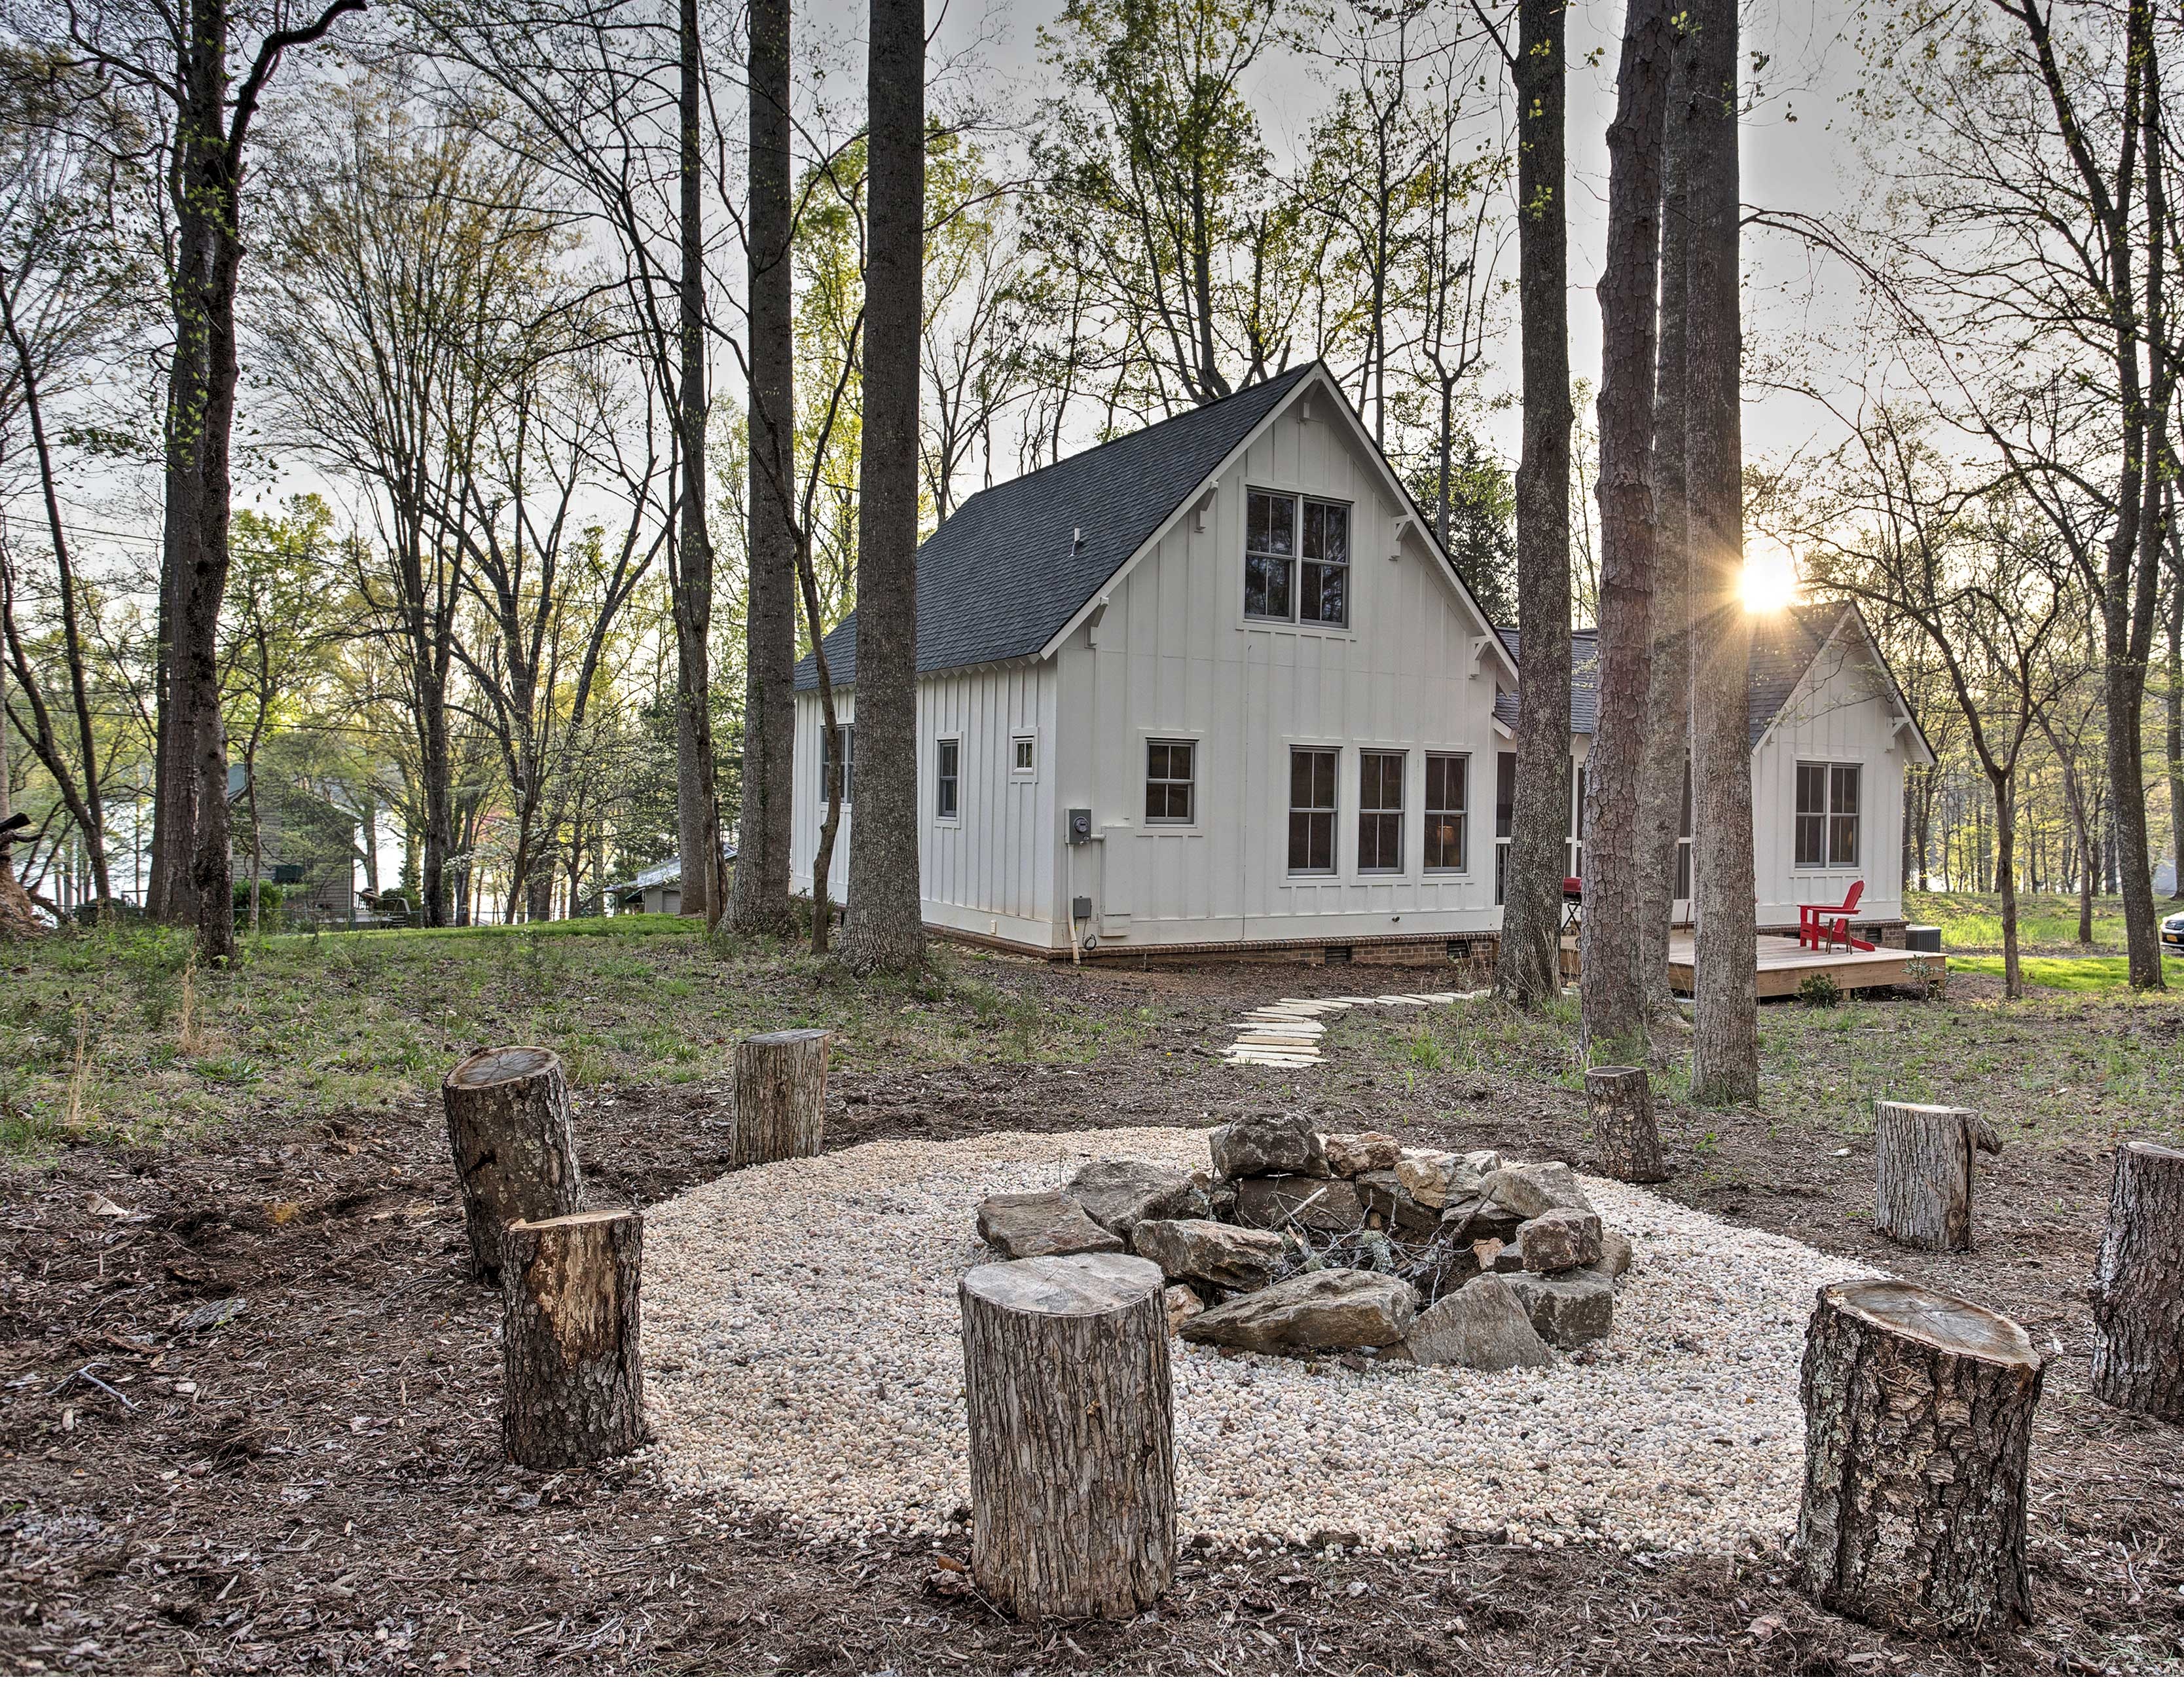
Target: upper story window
pixel 1296 560
pixel 1827 816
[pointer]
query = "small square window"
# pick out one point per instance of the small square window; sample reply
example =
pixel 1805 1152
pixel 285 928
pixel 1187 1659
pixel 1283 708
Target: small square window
pixel 1171 781
pixel 946 783
pixel 1023 755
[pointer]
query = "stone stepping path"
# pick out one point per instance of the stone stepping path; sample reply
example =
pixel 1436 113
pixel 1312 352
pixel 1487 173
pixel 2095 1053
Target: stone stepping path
pixel 1286 1034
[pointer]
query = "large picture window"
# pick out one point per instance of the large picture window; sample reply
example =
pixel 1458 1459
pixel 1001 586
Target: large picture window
pixel 1448 800
pixel 1171 781
pixel 1379 813
pixel 946 783
pixel 1296 560
pixel 1312 810
pixel 1827 816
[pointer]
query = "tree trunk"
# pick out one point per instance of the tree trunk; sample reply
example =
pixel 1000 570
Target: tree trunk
pixel 1072 1443
pixel 2173 696
pixel 760 889
pixel 1923 1158
pixel 697 804
pixel 1612 998
pixel 514 1143
pixel 1528 964
pixel 1919 1413
pixel 572 1380
pixel 1619 1099
pixel 885 928
pixel 2138 1291
pixel 1664 789
pixel 1725 1047
pixel 781 1095
pixel 2005 877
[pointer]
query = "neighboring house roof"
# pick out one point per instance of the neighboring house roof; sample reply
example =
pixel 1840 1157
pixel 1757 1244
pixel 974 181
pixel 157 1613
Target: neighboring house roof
pixel 1002 576
pixel 666 874
pixel 1785 647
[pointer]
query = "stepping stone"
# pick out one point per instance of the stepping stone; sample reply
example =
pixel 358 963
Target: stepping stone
pixel 1440 998
pixel 1404 999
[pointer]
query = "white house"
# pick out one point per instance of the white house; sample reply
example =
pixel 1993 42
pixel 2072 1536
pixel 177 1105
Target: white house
pixel 1831 736
pixel 1227 651
pixel 1213 687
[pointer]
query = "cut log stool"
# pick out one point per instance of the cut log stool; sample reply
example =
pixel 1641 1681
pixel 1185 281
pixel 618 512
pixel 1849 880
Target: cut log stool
pixel 1073 1440
pixel 1918 1415
pixel 781 1095
pixel 572 1381
pixel 2138 1291
pixel 514 1141
pixel 1923 1159
pixel 1619 1099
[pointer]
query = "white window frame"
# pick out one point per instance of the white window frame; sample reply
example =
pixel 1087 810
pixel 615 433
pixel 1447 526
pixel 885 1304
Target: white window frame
pixel 942 746
pixel 1829 768
pixel 1294 617
pixel 1331 813
pixel 1399 811
pixel 1189 784
pixel 848 764
pixel 1461 813
pixel 1022 768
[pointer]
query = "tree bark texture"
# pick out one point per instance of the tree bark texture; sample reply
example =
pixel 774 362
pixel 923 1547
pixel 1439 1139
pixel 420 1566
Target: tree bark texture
pixel 1072 1447
pixel 514 1143
pixel 1922 1161
pixel 884 930
pixel 1725 1045
pixel 697 803
pixel 760 897
pixel 781 1095
pixel 1611 999
pixel 1528 965
pixel 1662 792
pixel 1619 1100
pixel 572 1378
pixel 2138 1290
pixel 1918 1411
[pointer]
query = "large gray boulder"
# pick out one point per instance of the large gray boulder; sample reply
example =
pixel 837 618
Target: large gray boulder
pixel 1120 1193
pixel 1040 1224
pixel 1438 1180
pixel 1210 1254
pixel 1482 1325
pixel 1276 1145
pixel 1330 1309
pixel 1277 1201
pixel 1559 1240
pixel 1567 1308
pixel 1534 1189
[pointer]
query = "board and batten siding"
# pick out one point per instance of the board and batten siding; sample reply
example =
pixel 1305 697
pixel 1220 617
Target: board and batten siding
pixel 1841 713
pixel 989 869
pixel 1171 656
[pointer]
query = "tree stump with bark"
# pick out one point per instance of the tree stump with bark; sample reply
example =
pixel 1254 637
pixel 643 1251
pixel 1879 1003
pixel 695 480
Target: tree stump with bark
pixel 1619 1098
pixel 781 1095
pixel 573 1387
pixel 1918 1417
pixel 1923 1154
pixel 2138 1290
pixel 514 1141
pixel 1072 1448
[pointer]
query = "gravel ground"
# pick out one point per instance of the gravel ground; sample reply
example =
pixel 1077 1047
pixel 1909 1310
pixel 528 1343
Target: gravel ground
pixel 802 1351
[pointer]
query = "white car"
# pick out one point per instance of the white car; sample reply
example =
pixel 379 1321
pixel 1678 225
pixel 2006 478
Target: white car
pixel 2172 932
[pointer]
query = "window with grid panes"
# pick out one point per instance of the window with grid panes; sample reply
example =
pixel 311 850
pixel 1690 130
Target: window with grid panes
pixel 1379 812
pixel 1448 782
pixel 1312 771
pixel 1171 781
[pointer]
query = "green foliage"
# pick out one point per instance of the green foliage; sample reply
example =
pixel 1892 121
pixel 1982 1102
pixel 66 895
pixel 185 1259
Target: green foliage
pixel 1818 989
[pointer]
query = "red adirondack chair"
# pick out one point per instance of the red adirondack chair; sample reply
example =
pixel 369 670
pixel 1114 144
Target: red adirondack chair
pixel 1825 927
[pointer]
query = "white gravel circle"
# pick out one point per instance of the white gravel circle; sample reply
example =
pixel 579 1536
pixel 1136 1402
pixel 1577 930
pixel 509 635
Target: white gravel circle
pixel 803 1356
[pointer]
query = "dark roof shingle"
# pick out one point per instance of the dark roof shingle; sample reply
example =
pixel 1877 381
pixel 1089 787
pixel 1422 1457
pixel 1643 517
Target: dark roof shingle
pixel 1783 645
pixel 1002 577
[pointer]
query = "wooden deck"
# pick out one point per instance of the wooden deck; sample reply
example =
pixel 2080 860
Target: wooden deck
pixel 1783 964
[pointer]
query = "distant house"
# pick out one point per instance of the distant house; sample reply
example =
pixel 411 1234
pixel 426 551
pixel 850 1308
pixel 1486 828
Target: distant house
pixel 1830 734
pixel 653 891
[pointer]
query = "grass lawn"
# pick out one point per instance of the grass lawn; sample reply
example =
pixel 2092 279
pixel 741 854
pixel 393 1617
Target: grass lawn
pixel 2046 922
pixel 2076 975
pixel 116 1034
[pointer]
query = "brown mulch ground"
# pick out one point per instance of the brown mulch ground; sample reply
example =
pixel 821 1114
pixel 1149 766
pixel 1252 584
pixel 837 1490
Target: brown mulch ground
pixel 309 1478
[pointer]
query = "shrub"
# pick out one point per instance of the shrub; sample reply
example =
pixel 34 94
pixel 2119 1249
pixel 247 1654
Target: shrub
pixel 1819 990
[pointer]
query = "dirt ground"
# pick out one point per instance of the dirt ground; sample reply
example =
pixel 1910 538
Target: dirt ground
pixel 249 1422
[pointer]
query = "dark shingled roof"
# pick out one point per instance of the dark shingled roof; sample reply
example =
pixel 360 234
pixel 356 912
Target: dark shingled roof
pixel 1000 578
pixel 1783 645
